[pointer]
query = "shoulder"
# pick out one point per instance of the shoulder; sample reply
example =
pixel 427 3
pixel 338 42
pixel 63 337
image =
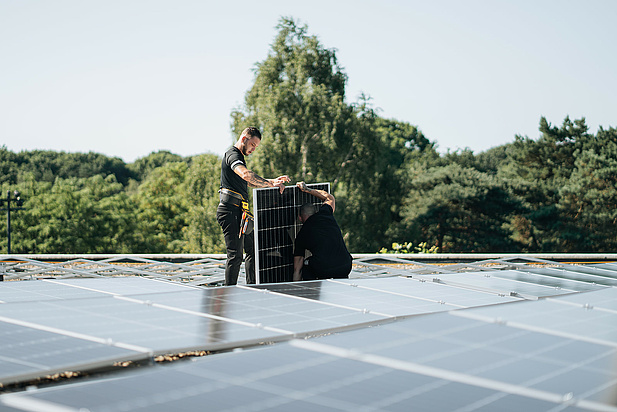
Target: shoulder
pixel 234 158
pixel 326 209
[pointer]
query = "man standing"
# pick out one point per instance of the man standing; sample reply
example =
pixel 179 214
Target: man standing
pixel 321 236
pixel 235 178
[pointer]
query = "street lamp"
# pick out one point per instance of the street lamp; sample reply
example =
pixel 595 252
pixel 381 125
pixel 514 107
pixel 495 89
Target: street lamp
pixel 19 202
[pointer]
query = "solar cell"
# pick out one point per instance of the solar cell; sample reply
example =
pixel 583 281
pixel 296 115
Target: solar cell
pixel 276 227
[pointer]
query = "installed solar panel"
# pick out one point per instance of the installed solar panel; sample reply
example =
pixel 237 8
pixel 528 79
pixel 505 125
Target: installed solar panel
pixel 276 227
pixel 556 352
pixel 29 353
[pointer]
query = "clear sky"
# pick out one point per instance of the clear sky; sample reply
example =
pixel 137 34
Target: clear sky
pixel 129 77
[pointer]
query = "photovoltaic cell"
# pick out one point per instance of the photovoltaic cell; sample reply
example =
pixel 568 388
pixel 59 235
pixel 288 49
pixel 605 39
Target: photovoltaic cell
pixel 276 227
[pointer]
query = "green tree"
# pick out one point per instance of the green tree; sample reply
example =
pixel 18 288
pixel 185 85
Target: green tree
pixel 89 215
pixel 203 233
pixel 163 210
pixel 143 166
pixel 536 173
pixel 312 134
pixel 456 209
pixel 588 201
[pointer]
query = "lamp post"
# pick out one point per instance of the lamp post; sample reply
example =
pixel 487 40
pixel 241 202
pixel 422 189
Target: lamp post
pixel 18 202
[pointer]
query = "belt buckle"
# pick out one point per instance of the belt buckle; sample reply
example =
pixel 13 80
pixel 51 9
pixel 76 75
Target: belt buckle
pixel 245 205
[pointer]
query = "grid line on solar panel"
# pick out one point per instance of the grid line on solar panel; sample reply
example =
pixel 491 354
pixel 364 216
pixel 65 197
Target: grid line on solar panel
pixel 496 352
pixel 334 304
pixel 486 282
pixel 207 315
pixel 284 379
pixel 557 319
pixel 429 291
pixel 29 353
pixel 566 274
pixel 129 324
pixel 545 280
pixel 603 300
pixel 364 300
pixel 437 373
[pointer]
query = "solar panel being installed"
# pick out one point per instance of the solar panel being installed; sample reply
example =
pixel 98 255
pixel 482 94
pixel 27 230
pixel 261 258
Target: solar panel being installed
pixel 276 227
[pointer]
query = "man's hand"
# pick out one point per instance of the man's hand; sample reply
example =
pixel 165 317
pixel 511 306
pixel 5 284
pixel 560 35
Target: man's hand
pixel 280 182
pixel 301 186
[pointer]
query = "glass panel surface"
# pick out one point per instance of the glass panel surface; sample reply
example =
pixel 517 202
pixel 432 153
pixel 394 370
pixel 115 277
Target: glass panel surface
pixel 360 298
pixel 436 292
pixel 486 281
pixel 40 290
pixel 28 353
pixel 137 324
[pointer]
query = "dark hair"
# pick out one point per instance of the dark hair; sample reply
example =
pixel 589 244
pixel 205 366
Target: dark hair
pixel 251 132
pixel 307 209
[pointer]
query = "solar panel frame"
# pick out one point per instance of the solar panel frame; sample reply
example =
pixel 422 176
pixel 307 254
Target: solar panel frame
pixel 275 227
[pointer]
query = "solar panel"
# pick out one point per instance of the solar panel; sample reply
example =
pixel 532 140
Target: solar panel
pixel 276 227
pixel 29 353
pixel 550 346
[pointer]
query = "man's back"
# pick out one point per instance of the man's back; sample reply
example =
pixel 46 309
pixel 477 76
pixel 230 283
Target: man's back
pixel 322 236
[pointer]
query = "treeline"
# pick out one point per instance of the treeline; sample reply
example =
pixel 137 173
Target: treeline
pixel 556 193
pixel 90 203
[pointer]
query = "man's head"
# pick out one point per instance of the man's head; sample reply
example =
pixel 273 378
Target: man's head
pixel 249 140
pixel 306 210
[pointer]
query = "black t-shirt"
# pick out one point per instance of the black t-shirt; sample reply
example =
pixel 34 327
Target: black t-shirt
pixel 229 179
pixel 321 235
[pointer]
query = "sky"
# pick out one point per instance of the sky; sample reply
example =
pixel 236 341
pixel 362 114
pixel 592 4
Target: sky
pixel 130 77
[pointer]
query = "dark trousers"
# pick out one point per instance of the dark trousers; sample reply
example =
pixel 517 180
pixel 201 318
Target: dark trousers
pixel 229 217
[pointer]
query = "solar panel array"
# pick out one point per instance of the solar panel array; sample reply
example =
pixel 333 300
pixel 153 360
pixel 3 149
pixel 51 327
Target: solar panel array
pixel 501 336
pixel 276 227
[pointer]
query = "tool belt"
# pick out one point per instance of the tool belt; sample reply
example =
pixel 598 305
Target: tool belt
pixel 229 197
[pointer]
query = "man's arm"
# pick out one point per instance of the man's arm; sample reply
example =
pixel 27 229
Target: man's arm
pixel 254 180
pixel 320 194
pixel 298 263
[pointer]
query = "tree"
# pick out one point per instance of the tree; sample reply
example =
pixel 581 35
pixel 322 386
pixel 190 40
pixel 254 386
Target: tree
pixel 89 215
pixel 143 166
pixel 456 209
pixel 203 233
pixel 588 201
pixel 312 134
pixel 536 173
pixel 162 210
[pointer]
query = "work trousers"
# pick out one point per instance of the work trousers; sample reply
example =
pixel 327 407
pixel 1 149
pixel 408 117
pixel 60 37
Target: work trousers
pixel 229 217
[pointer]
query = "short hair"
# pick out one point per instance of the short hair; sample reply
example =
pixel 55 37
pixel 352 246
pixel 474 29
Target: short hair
pixel 307 209
pixel 251 132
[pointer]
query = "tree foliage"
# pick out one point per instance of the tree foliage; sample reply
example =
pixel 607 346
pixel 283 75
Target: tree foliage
pixel 556 193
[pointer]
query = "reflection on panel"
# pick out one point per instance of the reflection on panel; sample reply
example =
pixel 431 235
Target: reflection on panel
pixel 553 317
pixel 41 290
pixel 550 281
pixel 133 323
pixel 364 299
pixel 578 276
pixel 436 292
pixel 602 299
pixel 263 310
pixel 280 379
pixel 28 353
pixel 276 227
pixel 487 282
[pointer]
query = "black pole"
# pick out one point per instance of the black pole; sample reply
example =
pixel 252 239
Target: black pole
pixel 8 219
